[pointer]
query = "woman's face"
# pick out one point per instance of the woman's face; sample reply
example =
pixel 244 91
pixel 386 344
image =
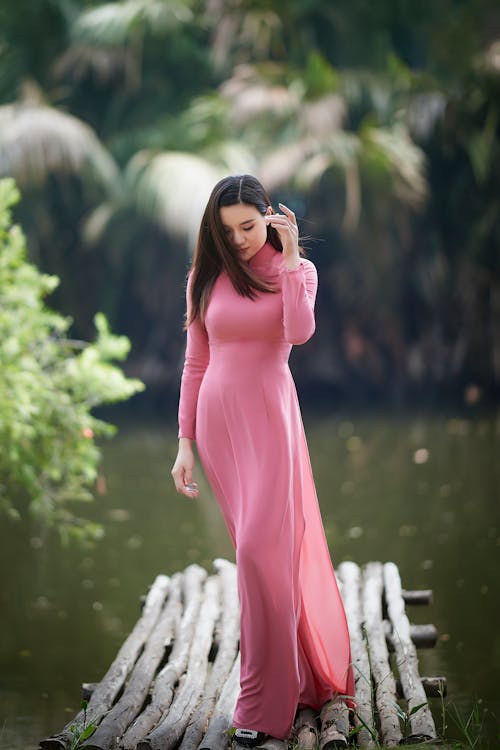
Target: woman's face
pixel 245 228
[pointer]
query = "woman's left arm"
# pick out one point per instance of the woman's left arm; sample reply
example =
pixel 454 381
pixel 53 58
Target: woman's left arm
pixel 299 280
pixel 299 288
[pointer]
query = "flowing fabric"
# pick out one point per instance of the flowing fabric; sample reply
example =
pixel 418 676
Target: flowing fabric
pixel 238 401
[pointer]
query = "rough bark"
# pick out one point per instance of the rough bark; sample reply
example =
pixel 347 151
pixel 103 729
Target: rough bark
pixel 349 576
pixel 228 628
pixel 216 736
pixel 170 730
pixel 385 687
pixel 334 725
pixel 423 636
pixel 104 694
pixel 306 729
pixel 422 727
pixel 164 687
pixel 131 701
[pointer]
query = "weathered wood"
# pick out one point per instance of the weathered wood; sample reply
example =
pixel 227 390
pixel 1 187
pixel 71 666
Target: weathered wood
pixel 423 636
pixel 385 687
pixel 216 736
pixel 272 744
pixel 434 687
pixel 334 725
pixel 420 596
pixel 349 577
pixel 422 727
pixel 228 628
pixel 306 729
pixel 168 733
pixel 105 693
pixel 190 624
pixel 87 690
pixel 163 691
pixel 131 701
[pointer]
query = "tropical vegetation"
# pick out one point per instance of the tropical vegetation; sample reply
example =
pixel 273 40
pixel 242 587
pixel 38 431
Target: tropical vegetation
pixel 378 123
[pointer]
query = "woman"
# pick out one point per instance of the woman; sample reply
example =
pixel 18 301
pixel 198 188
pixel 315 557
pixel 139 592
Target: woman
pixel 250 296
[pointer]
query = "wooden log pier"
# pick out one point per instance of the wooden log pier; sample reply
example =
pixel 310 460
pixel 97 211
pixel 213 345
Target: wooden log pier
pixel 174 682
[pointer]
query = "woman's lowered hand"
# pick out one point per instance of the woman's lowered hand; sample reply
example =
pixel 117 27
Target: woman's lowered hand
pixel 182 470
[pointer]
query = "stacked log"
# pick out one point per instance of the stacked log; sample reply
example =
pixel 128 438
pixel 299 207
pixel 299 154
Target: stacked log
pixel 175 681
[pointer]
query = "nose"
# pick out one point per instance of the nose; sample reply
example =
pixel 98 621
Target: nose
pixel 238 239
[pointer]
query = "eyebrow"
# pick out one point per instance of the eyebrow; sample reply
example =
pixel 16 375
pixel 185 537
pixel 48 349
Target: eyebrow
pixel 246 221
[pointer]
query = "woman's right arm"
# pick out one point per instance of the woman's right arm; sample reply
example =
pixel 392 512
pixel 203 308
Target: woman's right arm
pixel 195 363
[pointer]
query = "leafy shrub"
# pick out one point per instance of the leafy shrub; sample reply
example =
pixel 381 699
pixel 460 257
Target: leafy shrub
pixel 49 385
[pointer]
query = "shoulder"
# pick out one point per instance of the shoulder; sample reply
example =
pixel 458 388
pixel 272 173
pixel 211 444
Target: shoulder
pixel 308 266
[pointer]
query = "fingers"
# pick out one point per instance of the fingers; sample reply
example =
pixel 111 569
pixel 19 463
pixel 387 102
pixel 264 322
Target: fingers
pixel 288 212
pixel 184 483
pixel 286 220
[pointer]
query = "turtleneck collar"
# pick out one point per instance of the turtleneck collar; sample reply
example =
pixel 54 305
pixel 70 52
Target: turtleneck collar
pixel 264 256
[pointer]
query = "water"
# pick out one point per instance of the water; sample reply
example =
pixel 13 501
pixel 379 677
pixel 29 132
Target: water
pixel 422 491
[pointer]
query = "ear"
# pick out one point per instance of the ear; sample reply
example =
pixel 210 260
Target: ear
pixel 269 211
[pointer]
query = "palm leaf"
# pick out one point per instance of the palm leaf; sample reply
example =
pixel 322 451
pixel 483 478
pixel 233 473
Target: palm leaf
pixel 403 159
pixel 173 187
pixel 116 23
pixel 37 140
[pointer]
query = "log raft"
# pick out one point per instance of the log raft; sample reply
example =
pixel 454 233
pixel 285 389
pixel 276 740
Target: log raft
pixel 174 683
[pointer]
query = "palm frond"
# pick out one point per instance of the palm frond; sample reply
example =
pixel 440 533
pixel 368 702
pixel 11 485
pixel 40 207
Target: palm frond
pixel 304 162
pixel 104 64
pixel 173 187
pixel 403 159
pixel 251 95
pixel 37 140
pixel 115 23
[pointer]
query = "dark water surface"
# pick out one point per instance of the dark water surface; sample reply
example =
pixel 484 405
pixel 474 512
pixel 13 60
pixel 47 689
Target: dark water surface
pixel 422 491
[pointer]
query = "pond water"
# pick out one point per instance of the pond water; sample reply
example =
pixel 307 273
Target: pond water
pixel 421 490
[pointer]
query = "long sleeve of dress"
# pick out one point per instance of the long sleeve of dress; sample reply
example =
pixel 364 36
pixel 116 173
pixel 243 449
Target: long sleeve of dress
pixel 195 363
pixel 299 295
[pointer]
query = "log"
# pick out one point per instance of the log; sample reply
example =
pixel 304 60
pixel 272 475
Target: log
pixel 306 730
pixel 168 733
pixel 216 736
pixel 349 576
pixel 434 687
pixel 385 687
pixel 104 694
pixel 423 636
pixel 273 744
pixel 164 687
pixel 334 725
pixel 228 628
pixel 422 727
pixel 87 690
pixel 422 596
pixel 131 701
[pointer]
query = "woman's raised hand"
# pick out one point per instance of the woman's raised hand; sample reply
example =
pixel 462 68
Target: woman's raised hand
pixel 286 226
pixel 182 471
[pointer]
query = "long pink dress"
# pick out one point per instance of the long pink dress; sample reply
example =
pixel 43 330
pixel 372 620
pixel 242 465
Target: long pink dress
pixel 238 401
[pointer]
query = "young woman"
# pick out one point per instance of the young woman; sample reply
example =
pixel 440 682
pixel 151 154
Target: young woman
pixel 250 296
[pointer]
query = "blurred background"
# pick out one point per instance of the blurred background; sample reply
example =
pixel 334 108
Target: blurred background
pixel 378 124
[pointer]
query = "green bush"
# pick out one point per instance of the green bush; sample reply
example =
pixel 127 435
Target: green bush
pixel 49 385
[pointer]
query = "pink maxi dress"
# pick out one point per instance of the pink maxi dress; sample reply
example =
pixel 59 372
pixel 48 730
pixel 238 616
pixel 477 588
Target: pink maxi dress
pixel 238 401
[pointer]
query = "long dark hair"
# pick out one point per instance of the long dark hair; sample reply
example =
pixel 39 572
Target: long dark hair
pixel 214 252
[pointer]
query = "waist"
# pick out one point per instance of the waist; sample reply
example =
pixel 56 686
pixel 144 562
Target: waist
pixel 246 355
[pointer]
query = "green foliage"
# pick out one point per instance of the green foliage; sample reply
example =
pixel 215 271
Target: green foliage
pixel 48 386
pixel 378 122
pixel 80 734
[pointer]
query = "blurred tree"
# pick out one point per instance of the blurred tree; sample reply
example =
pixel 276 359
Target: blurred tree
pixel 376 121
